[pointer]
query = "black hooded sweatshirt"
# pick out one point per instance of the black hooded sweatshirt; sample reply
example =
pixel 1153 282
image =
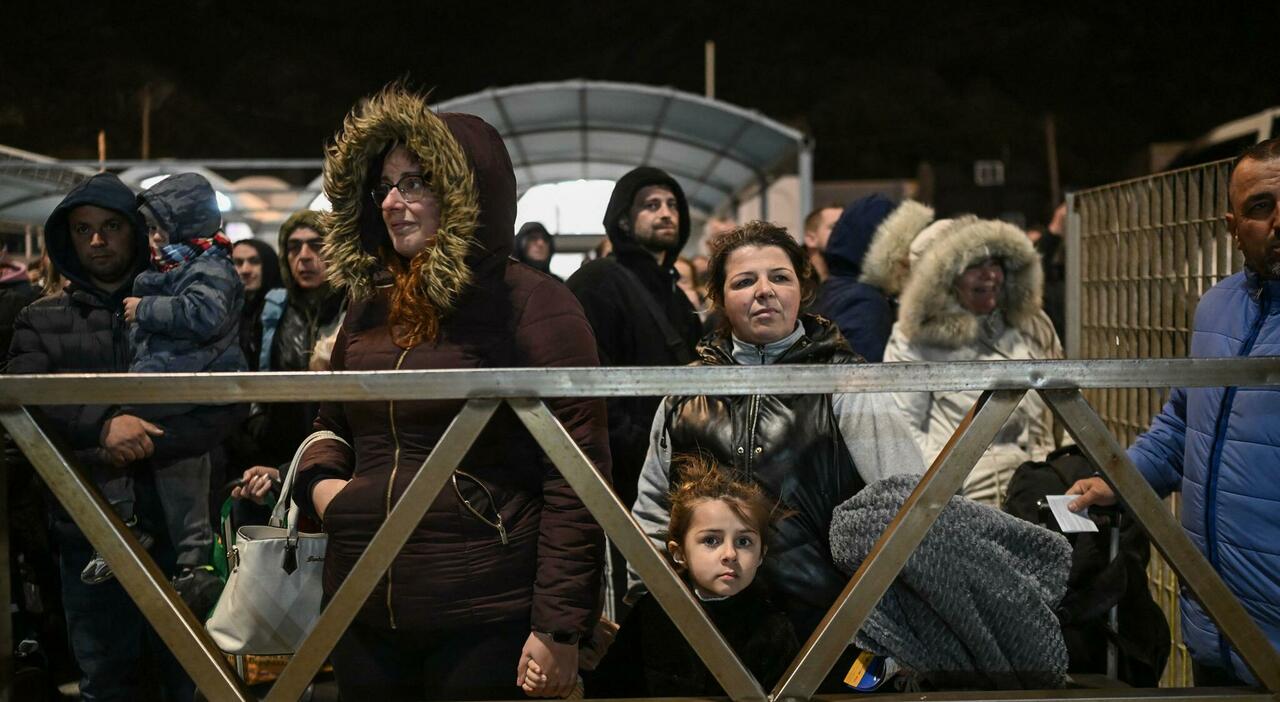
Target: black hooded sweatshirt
pixel 529 231
pixel 626 332
pixel 82 330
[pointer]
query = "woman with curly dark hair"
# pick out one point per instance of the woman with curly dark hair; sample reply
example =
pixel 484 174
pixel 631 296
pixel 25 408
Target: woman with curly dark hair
pixel 808 452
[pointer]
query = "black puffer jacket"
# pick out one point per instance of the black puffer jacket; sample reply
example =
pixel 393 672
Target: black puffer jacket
pixel 791 445
pixel 82 330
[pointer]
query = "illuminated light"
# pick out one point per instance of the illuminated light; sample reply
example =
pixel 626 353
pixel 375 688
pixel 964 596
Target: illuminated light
pixel 152 180
pixel 569 207
pixel 238 231
pixel 224 202
pixel 320 204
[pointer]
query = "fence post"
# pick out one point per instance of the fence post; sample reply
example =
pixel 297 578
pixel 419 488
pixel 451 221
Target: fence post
pixel 6 580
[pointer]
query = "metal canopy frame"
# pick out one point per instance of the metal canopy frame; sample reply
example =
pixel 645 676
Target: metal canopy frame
pixel 1058 382
pixel 566 130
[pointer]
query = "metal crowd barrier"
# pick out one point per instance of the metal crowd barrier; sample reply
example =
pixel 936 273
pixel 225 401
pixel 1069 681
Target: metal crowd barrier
pixel 1140 254
pixel 1004 384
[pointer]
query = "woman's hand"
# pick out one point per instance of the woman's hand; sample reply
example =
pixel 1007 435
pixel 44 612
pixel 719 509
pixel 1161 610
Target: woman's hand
pixel 554 666
pixel 323 492
pixel 256 483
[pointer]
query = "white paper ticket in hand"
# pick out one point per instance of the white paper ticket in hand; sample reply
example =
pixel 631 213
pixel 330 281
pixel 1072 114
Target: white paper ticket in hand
pixel 1070 522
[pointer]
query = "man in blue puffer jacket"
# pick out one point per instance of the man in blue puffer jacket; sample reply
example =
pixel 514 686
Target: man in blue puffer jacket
pixel 1221 446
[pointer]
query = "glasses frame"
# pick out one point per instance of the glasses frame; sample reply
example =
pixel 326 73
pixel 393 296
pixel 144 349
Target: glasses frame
pixel 404 195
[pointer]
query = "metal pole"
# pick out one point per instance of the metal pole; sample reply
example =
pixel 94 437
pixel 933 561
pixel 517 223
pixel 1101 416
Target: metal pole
pixel 149 589
pixel 1193 570
pixel 382 549
pixel 764 198
pixel 662 581
pixel 363 386
pixel 709 51
pixel 890 553
pixel 1074 318
pixel 805 168
pixel 6 583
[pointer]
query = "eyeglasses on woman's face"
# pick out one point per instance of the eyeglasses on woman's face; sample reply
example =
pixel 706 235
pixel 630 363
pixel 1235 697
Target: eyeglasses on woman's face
pixel 412 187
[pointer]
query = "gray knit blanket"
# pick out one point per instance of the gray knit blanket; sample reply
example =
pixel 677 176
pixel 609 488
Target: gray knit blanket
pixel 974 605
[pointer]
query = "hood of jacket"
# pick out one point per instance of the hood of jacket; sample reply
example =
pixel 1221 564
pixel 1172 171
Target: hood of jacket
pixel 302 219
pixel 471 176
pixel 624 193
pixel 930 311
pixel 851 234
pixel 885 264
pixel 185 205
pixel 103 190
pixel 528 231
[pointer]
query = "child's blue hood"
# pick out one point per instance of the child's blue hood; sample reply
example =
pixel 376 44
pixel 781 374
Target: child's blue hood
pixel 185 205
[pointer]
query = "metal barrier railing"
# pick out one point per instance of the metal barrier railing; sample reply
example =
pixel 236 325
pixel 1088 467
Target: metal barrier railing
pixel 1141 253
pixel 1004 385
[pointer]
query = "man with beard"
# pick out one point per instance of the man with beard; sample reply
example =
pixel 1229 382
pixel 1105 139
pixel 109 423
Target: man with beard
pixel 1218 445
pixel 638 313
pixel 97 238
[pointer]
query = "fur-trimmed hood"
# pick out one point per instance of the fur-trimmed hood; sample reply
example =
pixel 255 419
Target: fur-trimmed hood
pixel 470 174
pixel 930 311
pixel 885 264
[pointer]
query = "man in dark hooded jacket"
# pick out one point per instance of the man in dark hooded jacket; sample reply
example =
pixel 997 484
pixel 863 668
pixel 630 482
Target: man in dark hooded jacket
pixel 535 246
pixel 860 310
pixel 97 239
pixel 639 315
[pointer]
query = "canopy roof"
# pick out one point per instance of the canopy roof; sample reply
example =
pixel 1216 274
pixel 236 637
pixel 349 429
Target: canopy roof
pixel 32 185
pixel 597 129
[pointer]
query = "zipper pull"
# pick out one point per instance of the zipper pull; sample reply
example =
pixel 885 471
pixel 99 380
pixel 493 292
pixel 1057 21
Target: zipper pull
pixel 502 533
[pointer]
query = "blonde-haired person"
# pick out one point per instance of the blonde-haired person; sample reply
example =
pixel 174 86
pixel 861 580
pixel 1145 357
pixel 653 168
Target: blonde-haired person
pixel 504 568
pixel 974 295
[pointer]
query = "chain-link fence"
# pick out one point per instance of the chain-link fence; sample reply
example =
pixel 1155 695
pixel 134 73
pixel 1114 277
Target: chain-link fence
pixel 1147 249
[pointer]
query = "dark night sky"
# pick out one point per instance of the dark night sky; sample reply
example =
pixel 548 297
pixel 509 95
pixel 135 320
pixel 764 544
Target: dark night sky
pixel 880 85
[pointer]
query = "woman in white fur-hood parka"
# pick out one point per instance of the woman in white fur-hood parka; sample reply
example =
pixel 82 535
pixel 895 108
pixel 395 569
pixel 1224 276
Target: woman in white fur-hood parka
pixel 975 296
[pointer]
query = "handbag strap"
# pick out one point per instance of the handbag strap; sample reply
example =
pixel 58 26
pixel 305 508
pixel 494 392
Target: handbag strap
pixel 286 503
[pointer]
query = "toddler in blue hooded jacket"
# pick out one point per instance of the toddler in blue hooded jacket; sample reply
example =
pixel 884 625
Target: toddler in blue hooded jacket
pixel 184 317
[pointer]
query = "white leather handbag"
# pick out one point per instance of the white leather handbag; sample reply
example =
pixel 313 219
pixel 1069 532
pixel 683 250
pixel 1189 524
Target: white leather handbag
pixel 272 597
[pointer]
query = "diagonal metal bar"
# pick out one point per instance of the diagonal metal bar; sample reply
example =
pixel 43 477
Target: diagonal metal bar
pixel 1193 570
pixel 133 567
pixel 657 574
pixel 890 553
pixel 382 549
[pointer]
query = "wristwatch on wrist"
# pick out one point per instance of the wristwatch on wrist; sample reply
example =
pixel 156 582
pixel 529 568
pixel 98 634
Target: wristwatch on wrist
pixel 568 638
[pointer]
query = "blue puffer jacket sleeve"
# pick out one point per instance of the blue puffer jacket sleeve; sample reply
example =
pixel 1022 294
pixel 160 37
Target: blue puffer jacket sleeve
pixel 1159 452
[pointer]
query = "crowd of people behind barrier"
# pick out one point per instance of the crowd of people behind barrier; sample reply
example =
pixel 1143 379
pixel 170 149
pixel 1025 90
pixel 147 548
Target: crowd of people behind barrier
pixel 508 582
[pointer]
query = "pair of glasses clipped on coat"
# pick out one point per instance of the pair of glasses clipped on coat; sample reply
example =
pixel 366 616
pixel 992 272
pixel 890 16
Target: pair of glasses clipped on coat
pixel 496 522
pixel 412 187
